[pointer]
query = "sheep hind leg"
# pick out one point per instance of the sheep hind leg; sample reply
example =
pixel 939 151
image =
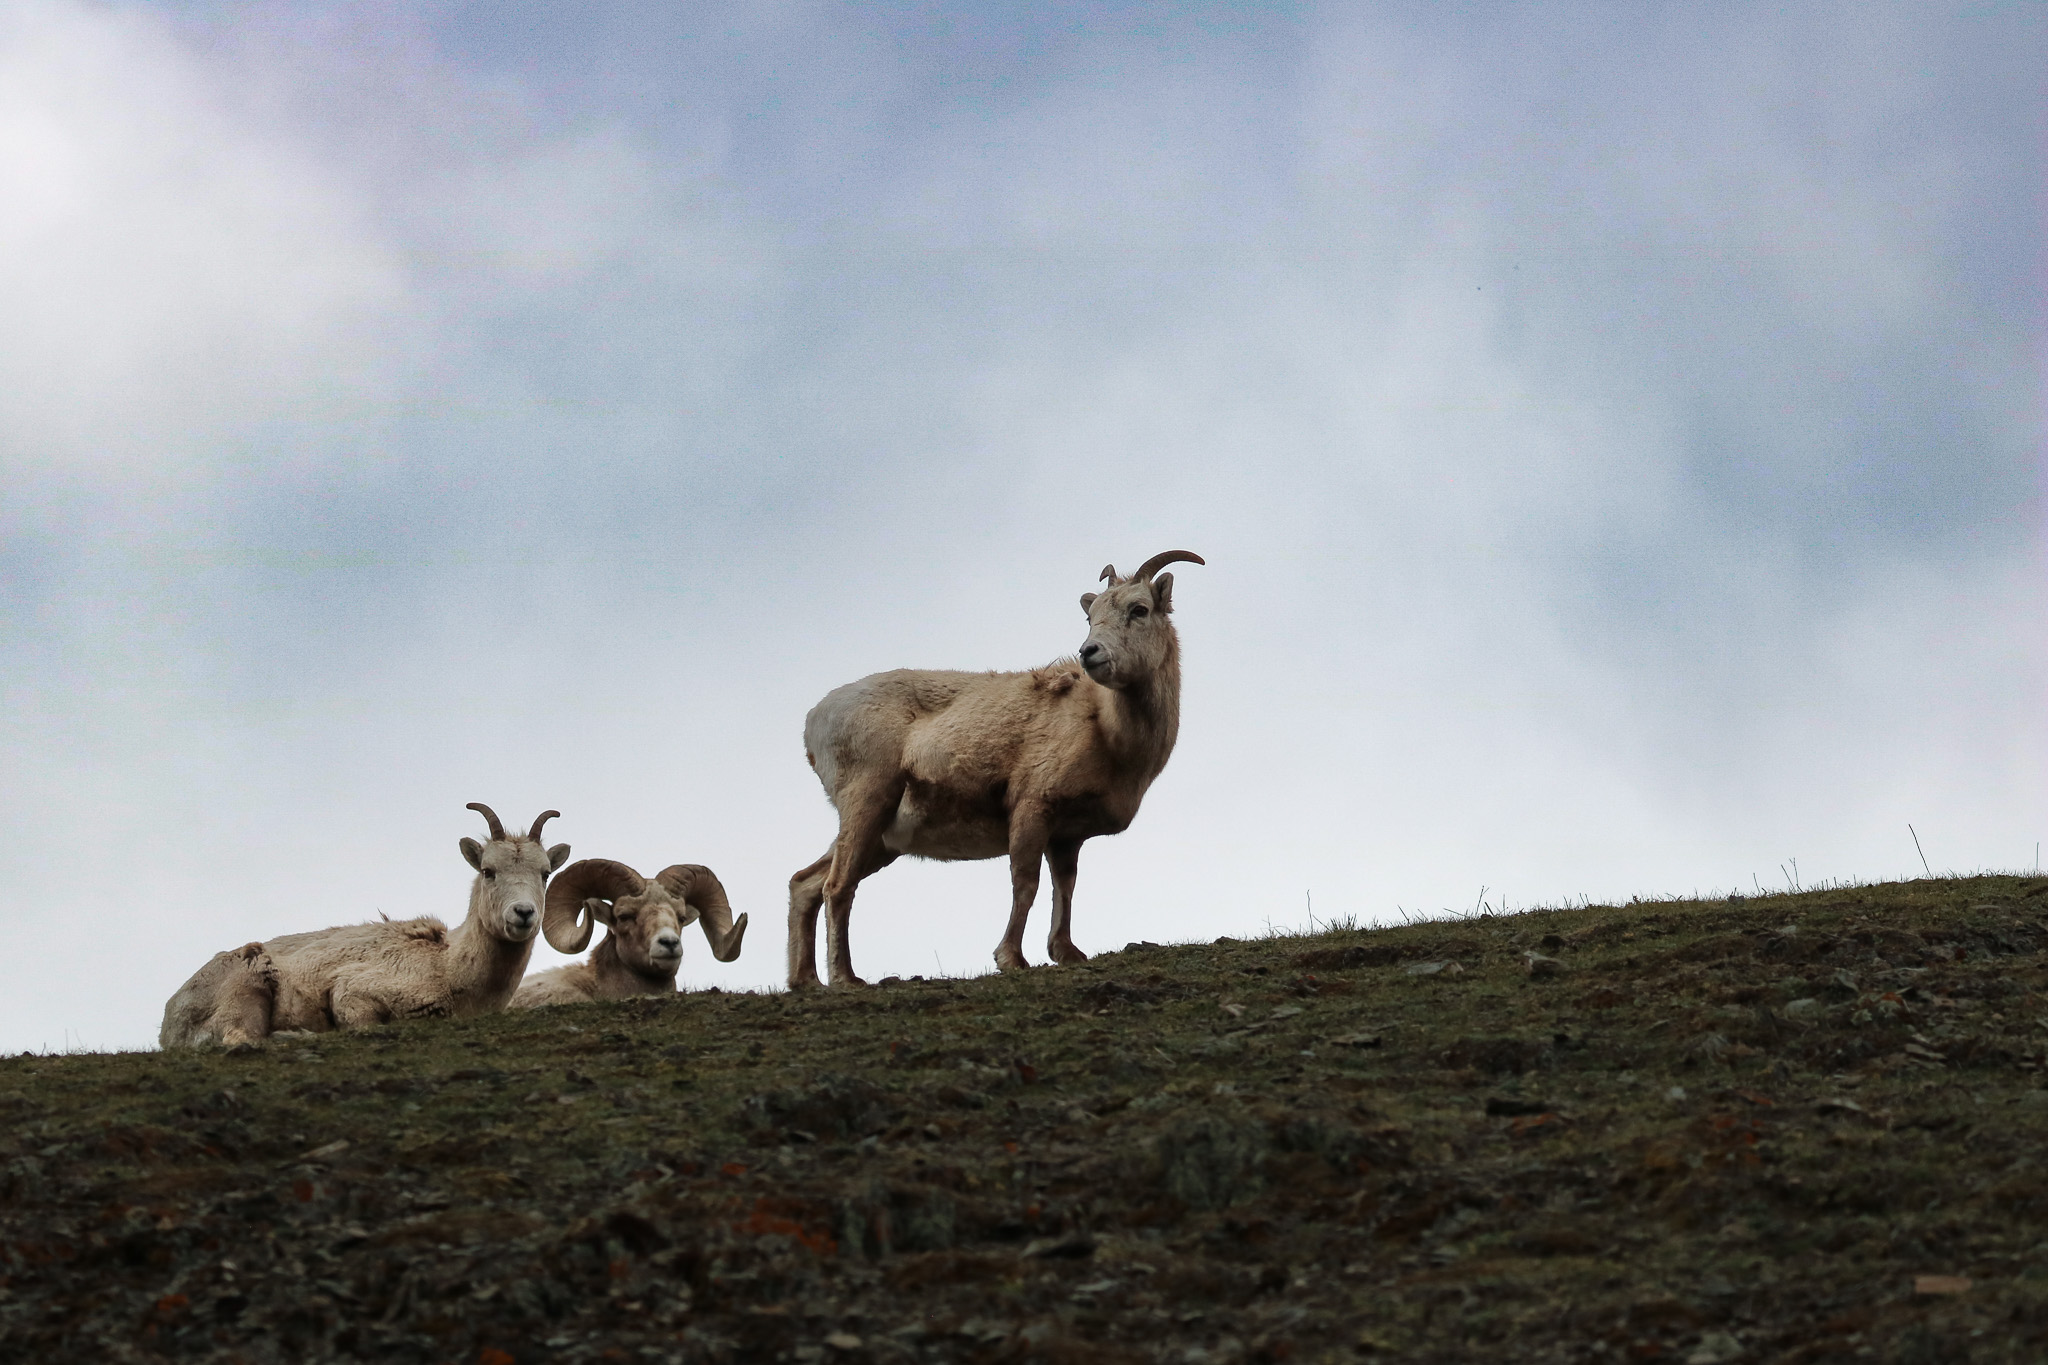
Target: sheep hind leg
pixel 837 950
pixel 1065 861
pixel 806 894
pixel 857 855
pixel 229 1001
pixel 247 1001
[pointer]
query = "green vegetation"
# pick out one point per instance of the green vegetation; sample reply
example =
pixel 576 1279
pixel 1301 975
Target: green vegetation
pixel 1786 1128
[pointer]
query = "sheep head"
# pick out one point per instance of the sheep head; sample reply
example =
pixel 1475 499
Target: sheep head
pixel 1129 636
pixel 645 918
pixel 511 875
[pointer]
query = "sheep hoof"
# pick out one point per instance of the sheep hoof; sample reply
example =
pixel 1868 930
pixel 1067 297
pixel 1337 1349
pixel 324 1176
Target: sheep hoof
pixel 1066 955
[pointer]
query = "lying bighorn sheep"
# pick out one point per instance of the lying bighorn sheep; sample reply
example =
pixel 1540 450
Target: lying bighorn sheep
pixel 643 945
pixel 362 974
pixel 974 765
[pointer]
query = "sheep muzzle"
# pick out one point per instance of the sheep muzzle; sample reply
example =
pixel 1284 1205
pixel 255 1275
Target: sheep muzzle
pixel 520 917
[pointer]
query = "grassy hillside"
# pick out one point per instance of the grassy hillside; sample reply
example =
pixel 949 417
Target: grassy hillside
pixel 1789 1128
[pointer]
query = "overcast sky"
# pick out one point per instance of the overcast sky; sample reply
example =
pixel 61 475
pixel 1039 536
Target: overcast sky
pixel 1615 433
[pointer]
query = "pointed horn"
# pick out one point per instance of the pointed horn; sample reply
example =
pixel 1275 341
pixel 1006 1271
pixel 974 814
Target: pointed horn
pixel 580 888
pixel 538 821
pixel 1108 575
pixel 700 889
pixel 1160 561
pixel 491 816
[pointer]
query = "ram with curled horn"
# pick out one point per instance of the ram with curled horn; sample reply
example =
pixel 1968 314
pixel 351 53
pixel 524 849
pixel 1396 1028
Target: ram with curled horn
pixel 363 974
pixel 1027 765
pixel 643 918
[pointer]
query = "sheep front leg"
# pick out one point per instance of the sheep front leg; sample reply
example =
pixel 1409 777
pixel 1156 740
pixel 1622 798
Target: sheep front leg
pixel 1027 850
pixel 353 1007
pixel 806 895
pixel 1064 858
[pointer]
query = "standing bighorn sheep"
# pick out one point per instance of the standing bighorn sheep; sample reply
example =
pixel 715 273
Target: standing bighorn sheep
pixel 644 920
pixel 362 974
pixel 974 765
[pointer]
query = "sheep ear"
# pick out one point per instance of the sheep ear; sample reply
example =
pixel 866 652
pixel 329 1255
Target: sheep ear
pixel 557 855
pixel 1087 602
pixel 473 854
pixel 1162 592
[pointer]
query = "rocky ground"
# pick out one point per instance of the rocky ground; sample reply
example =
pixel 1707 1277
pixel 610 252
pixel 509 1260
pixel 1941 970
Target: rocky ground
pixel 1786 1128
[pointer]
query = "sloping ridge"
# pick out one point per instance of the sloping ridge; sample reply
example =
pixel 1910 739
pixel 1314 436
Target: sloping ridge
pixel 1784 1128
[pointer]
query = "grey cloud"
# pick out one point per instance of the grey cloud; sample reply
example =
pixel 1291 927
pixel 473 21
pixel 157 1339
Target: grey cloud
pixel 1610 443
pixel 170 276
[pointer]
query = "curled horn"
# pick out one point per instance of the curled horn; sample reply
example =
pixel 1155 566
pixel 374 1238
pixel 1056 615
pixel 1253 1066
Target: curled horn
pixel 699 888
pixel 582 886
pixel 1160 561
pixel 1109 575
pixel 490 816
pixel 538 821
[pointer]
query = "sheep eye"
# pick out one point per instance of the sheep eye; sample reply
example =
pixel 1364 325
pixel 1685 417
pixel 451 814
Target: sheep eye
pixel 490 874
pixel 1138 611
